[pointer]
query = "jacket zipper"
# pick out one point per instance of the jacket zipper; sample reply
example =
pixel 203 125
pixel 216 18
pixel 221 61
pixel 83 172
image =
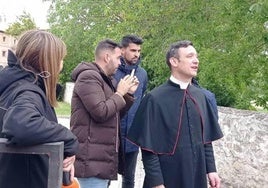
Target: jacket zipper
pixel 117 134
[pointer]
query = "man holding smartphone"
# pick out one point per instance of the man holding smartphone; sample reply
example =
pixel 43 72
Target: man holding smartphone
pixel 130 64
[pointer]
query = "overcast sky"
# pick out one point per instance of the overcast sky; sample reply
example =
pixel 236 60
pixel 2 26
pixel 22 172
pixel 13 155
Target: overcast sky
pixel 36 8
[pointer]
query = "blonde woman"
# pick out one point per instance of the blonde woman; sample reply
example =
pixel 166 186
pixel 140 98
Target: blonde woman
pixel 28 97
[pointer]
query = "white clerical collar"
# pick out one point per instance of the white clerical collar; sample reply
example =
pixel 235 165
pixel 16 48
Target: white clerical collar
pixel 183 85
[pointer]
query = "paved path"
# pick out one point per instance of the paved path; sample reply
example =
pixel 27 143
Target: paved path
pixel 116 184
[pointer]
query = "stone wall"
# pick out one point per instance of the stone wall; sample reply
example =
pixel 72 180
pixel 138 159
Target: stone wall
pixel 242 154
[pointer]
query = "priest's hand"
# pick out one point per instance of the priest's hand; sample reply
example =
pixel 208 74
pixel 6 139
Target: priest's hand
pixel 214 180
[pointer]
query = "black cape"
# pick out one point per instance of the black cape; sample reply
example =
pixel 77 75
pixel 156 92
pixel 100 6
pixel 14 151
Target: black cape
pixel 156 125
pixel 175 128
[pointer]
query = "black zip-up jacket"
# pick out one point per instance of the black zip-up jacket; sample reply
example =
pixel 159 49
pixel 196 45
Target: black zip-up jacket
pixel 29 119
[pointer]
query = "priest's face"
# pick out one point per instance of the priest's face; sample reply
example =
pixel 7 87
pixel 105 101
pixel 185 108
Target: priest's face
pixel 186 64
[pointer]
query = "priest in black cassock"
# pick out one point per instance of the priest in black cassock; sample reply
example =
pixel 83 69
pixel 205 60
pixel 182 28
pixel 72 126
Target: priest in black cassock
pixel 175 126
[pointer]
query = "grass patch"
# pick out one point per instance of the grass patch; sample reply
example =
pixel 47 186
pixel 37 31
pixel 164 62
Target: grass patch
pixel 63 109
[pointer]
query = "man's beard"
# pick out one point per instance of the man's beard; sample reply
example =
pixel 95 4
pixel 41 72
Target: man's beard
pixel 132 62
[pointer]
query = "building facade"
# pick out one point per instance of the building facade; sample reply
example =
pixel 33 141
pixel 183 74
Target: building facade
pixel 6 42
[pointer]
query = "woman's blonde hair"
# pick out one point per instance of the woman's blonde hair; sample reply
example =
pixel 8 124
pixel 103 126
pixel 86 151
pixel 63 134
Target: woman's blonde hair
pixel 41 53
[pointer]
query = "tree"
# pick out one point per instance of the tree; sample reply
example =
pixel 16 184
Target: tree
pixel 229 36
pixel 23 23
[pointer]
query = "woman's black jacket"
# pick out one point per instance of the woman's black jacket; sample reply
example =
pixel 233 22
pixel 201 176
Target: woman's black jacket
pixel 28 119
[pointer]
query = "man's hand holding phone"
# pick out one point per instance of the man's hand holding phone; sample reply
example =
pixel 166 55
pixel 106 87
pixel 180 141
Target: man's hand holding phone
pixel 135 81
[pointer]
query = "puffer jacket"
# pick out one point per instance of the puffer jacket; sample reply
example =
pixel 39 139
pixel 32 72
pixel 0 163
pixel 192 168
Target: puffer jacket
pixel 28 120
pixel 126 121
pixel 95 121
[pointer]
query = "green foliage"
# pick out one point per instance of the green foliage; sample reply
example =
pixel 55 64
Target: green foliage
pixel 23 23
pixel 63 109
pixel 229 35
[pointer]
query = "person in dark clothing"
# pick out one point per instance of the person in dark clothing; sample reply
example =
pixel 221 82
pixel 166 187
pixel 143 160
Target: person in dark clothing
pixel 130 60
pixel 175 126
pixel 27 100
pixel 209 95
pixel 97 104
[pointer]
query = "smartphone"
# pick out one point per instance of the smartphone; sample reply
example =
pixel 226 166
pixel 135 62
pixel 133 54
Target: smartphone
pixel 132 72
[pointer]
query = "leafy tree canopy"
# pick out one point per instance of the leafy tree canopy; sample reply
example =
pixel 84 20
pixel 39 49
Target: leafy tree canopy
pixel 23 23
pixel 231 37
